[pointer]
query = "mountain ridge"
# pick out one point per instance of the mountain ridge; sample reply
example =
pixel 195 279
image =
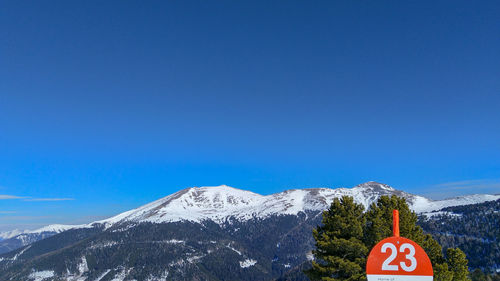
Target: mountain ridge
pixel 220 203
pixel 152 242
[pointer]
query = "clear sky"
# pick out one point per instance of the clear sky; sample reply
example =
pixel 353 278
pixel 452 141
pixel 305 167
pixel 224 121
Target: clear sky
pixel 107 105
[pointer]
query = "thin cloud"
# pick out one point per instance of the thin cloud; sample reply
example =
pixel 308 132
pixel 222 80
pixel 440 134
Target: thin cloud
pixel 48 199
pixel 7 212
pixel 22 218
pixel 490 184
pixel 6 197
pixel 32 199
pixel 457 188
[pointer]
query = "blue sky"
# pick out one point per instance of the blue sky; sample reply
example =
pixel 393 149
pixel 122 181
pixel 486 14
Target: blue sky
pixel 107 105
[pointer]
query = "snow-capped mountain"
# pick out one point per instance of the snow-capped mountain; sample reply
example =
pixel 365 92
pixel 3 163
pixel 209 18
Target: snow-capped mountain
pixel 199 233
pixel 55 228
pixel 221 203
pixel 18 238
pixel 11 233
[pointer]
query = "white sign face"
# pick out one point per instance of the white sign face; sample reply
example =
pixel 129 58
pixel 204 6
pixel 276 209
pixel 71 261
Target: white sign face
pixel 375 277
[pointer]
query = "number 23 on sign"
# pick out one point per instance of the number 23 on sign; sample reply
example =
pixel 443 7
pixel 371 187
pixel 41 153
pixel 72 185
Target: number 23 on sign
pixel 398 259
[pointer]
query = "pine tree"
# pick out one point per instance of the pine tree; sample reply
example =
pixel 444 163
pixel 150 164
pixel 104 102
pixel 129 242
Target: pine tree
pixel 342 243
pixel 379 226
pixel 379 221
pixel 478 275
pixel 340 252
pixel 442 272
pixel 458 264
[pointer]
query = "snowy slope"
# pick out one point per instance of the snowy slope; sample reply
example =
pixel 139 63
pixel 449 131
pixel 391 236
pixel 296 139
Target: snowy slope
pixel 427 205
pixel 58 228
pixel 10 233
pixel 220 203
pixel 16 238
pixel 53 228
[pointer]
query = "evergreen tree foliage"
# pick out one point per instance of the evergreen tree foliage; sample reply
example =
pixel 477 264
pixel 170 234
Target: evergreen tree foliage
pixel 340 252
pixel 458 264
pixel 472 228
pixel 379 226
pixel 375 224
pixel 379 221
pixel 478 275
pixel 442 272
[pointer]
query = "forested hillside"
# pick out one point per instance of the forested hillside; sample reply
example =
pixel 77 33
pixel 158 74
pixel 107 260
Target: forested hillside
pixel 473 228
pixel 261 248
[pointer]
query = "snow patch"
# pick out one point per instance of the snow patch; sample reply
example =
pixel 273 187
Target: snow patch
pixel 175 241
pixel 102 245
pixel 122 229
pixel 102 275
pixel 41 275
pixel 179 262
pixel 120 276
pixel 229 246
pixel 247 263
pixel 195 258
pixel 20 253
pixel 441 213
pixel 309 256
pixel 163 277
pixel 82 266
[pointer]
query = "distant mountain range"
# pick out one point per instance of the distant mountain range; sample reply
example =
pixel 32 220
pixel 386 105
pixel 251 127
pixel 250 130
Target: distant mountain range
pixel 205 233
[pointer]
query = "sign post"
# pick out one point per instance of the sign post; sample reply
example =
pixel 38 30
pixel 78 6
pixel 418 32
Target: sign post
pixel 398 259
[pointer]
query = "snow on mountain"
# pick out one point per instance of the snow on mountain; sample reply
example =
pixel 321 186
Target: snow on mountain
pixel 10 233
pixel 220 203
pixel 19 238
pixel 57 228
pixel 457 201
pixel 53 228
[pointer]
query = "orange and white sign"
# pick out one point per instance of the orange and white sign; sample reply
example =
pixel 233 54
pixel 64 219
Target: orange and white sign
pixel 398 259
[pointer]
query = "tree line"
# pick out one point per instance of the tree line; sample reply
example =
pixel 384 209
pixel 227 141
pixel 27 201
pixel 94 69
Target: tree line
pixel 347 234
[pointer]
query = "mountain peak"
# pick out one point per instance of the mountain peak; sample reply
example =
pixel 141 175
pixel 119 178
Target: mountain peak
pixel 209 191
pixel 215 187
pixel 375 186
